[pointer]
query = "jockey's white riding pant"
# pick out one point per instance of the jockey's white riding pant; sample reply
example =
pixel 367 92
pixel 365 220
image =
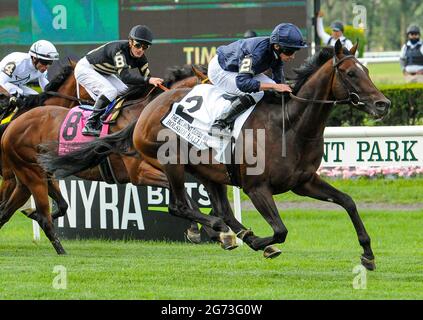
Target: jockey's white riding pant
pixel 97 84
pixel 20 90
pixel 227 80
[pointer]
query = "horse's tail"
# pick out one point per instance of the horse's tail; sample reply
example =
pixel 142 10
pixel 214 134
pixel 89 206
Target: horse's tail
pixel 88 155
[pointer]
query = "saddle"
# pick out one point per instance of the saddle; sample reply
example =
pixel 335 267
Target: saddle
pixel 112 111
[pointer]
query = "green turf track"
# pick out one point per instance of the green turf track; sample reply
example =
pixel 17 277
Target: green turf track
pixel 317 262
pixel 398 191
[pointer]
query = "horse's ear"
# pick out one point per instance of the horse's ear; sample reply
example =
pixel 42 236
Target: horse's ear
pixel 71 62
pixel 198 73
pixel 338 48
pixel 353 50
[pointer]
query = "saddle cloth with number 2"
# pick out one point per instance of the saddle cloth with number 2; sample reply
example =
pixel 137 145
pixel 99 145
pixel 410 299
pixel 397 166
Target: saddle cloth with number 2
pixel 193 116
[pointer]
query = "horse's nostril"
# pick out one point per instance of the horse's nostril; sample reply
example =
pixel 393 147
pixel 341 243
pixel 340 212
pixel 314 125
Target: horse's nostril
pixel 382 104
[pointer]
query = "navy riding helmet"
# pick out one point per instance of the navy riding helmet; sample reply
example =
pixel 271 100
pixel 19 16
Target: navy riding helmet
pixel 287 35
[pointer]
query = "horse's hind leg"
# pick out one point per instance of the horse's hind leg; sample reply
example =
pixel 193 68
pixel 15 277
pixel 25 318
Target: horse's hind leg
pixel 318 189
pixel 179 205
pixel 35 180
pixel 18 197
pixel 56 195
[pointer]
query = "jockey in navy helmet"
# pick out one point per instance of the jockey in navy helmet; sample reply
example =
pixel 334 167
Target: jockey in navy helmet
pixel 106 71
pixel 238 68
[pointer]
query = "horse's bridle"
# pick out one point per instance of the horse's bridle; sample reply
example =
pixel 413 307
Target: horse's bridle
pixel 353 97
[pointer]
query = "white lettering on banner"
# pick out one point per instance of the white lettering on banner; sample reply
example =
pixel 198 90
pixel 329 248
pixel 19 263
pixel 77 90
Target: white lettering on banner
pixel 206 200
pixel 109 206
pixel 131 192
pixel 189 186
pixel 71 212
pixel 368 146
pixel 87 201
pixel 107 196
pixel 154 195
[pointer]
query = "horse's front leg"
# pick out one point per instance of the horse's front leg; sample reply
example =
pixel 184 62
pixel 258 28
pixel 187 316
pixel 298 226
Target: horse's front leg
pixel 262 199
pixel 318 189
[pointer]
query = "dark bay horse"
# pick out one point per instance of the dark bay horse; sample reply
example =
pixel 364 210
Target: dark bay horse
pixel 332 76
pixel 21 144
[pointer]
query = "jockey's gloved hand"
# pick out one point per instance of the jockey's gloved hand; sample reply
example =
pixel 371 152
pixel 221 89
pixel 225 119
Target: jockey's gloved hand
pixel 13 101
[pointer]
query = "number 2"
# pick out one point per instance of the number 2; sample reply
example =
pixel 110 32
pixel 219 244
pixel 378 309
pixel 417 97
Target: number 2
pixel 246 65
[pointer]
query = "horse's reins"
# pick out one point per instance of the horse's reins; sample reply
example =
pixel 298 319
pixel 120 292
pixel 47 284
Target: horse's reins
pixel 71 98
pixel 353 98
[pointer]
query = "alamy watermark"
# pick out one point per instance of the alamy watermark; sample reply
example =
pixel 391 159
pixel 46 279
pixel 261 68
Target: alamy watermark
pixel 250 149
pixel 360 280
pixel 360 16
pixel 60 282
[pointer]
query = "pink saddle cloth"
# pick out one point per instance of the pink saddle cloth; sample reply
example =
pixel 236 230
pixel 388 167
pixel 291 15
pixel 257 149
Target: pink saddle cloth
pixel 71 130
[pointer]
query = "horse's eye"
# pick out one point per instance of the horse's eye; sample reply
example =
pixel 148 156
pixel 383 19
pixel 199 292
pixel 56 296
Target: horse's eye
pixel 351 73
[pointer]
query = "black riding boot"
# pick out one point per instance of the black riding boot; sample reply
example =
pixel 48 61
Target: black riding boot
pixel 93 125
pixel 238 106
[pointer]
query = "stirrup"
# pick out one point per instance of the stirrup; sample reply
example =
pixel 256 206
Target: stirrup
pixel 89 130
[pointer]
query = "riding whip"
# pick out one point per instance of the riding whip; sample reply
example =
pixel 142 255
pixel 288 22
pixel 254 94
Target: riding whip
pixel 283 116
pixel 283 127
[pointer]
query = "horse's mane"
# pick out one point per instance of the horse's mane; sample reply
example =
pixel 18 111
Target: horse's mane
pixel 59 79
pixel 312 64
pixel 304 72
pixel 177 73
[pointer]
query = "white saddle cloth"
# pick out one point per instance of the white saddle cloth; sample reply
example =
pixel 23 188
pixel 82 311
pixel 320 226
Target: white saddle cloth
pixel 193 116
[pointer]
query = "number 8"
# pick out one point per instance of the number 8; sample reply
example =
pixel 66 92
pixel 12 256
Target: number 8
pixel 119 62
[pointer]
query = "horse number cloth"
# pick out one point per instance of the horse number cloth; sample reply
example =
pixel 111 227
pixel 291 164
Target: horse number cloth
pixel 193 116
pixel 71 130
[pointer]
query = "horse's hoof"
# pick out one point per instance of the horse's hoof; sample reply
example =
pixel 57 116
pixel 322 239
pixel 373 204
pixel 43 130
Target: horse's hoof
pixel 369 264
pixel 271 252
pixel 193 237
pixel 228 241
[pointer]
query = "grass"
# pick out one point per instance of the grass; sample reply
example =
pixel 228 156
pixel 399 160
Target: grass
pixel 317 262
pixel 386 73
pixel 398 191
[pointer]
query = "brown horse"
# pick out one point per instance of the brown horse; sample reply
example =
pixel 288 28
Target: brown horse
pixel 332 76
pixel 20 146
pixel 62 91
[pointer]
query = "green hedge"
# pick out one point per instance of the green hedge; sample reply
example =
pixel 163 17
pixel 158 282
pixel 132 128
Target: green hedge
pixel 353 34
pixel 406 108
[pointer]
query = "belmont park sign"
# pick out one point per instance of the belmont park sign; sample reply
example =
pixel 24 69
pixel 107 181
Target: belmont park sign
pixel 373 146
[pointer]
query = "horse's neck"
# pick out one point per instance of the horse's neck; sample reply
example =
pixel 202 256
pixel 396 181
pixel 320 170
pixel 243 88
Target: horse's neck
pixel 67 88
pixel 309 119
